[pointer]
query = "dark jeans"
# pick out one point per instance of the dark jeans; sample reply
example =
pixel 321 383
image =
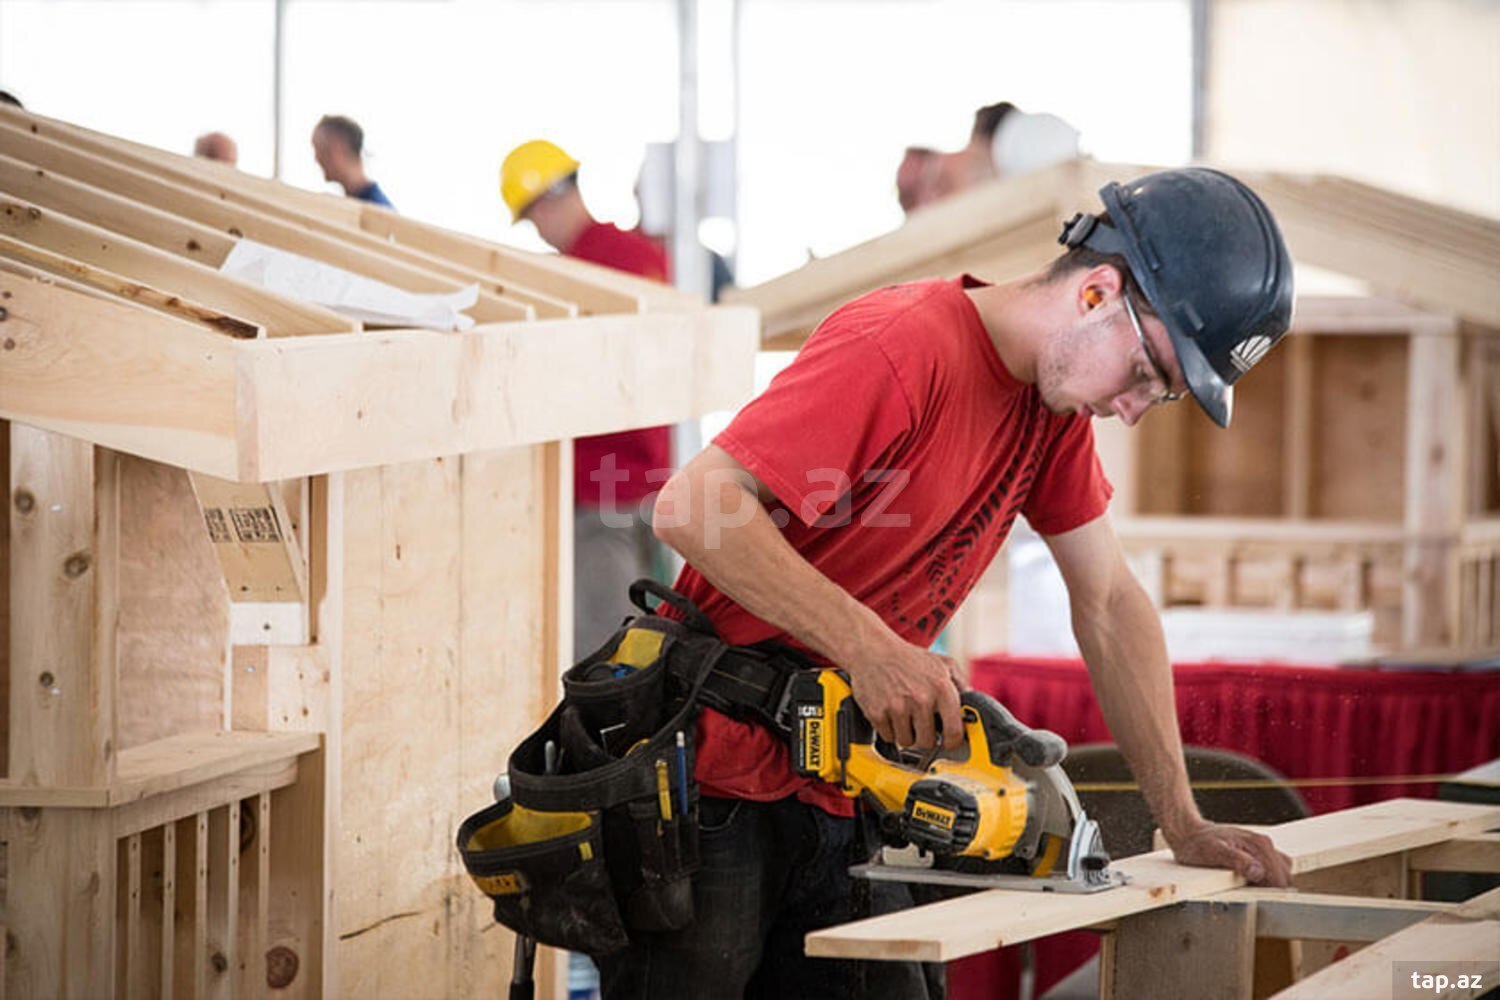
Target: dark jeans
pixel 770 873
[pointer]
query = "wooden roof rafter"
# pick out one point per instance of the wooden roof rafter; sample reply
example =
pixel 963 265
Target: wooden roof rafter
pixel 1432 256
pixel 119 329
pixel 543 280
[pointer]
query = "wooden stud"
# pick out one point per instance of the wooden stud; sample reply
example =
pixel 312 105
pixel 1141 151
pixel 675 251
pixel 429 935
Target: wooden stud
pixel 1298 438
pixel 135 984
pixel 168 909
pixel 61 649
pixel 1199 949
pixel 223 899
pixel 1433 491
pixel 60 903
pixel 201 915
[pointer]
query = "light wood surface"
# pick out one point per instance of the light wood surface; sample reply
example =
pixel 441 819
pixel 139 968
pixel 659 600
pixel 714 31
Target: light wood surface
pixel 996 918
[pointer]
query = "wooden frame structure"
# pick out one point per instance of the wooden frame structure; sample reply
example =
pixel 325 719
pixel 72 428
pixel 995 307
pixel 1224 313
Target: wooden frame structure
pixel 1178 931
pixel 1364 468
pixel 279 592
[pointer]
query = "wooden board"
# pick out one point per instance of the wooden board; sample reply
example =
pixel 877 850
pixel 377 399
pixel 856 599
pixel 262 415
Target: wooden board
pixel 996 918
pixel 259 410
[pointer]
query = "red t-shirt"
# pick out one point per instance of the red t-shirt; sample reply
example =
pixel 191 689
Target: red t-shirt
pixel 635 452
pixel 900 450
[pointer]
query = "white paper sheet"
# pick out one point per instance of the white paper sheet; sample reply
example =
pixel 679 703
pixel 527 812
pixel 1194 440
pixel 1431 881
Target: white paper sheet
pixel 346 293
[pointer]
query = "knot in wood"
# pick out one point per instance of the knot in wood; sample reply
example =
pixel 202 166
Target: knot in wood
pixel 281 967
pixel 76 565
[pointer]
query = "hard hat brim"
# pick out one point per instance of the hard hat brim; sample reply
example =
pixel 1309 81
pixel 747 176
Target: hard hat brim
pixel 1208 388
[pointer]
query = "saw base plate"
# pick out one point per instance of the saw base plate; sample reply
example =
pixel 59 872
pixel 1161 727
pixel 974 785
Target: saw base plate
pixel 939 876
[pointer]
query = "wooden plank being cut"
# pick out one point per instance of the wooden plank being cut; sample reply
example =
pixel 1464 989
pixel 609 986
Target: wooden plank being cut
pixel 941 932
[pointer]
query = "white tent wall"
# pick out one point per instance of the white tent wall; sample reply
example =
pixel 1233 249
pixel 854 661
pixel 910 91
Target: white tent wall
pixel 1400 93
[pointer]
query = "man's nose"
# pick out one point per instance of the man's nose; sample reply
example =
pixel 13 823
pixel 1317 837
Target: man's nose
pixel 1127 408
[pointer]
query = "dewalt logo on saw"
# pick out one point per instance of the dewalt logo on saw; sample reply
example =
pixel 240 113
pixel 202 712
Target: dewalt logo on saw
pixel 937 816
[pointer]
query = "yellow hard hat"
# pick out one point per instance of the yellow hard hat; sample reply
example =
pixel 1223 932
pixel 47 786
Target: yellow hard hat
pixel 529 170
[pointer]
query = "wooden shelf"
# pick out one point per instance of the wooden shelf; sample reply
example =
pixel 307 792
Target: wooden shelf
pixel 169 765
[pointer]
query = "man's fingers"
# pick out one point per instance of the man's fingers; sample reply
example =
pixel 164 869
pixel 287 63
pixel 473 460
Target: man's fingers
pixel 953 718
pixel 926 730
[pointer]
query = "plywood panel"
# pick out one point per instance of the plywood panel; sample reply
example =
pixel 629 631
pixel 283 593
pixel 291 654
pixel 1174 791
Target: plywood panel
pixel 1359 419
pixel 1241 472
pixel 174 613
pixel 444 671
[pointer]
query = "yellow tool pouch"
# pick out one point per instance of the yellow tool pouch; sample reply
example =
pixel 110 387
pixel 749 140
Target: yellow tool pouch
pixel 599 836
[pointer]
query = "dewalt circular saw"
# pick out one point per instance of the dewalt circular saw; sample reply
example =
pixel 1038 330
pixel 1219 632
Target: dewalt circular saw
pixel 997 812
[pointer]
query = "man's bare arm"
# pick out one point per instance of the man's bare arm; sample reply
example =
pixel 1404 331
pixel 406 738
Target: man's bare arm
pixel 711 513
pixel 1120 636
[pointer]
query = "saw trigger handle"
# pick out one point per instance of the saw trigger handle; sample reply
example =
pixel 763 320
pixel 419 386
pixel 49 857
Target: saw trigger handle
pixel 1007 735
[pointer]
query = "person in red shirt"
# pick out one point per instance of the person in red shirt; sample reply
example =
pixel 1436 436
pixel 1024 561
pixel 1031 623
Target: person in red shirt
pixel 850 508
pixel 612 473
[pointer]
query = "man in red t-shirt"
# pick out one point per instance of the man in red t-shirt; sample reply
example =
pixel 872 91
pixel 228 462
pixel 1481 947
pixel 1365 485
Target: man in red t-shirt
pixel 612 473
pixel 850 508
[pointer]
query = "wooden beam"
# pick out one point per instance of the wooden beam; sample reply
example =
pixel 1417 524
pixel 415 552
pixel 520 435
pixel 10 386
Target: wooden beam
pixel 89 246
pixel 972 217
pixel 1461 854
pixel 117 375
pixel 996 918
pixel 163 230
pixel 404 395
pixel 553 286
pixel 211 244
pixel 1324 917
pixel 227 210
pixel 114 284
pixel 144 383
pixel 1463 939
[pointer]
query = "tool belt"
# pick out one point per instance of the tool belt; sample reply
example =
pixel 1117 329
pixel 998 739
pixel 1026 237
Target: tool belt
pixel 598 836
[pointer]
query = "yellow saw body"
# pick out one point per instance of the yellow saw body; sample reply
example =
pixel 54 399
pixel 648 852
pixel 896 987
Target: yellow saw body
pixel 996 811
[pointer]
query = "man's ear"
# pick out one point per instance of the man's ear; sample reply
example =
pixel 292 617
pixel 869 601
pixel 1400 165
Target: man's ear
pixel 1097 286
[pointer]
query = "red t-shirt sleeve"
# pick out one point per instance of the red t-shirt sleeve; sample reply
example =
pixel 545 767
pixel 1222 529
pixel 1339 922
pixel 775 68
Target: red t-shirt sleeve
pixel 1070 489
pixel 824 420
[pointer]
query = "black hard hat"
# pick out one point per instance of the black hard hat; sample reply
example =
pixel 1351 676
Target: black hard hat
pixel 1207 254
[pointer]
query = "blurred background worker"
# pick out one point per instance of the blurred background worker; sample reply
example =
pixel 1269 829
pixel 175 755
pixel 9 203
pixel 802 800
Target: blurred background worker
pixel 613 543
pixel 216 146
pixel 338 146
pixel 1004 141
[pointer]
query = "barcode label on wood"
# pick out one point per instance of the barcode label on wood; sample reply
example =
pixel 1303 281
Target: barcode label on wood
pixel 218 527
pixel 255 524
